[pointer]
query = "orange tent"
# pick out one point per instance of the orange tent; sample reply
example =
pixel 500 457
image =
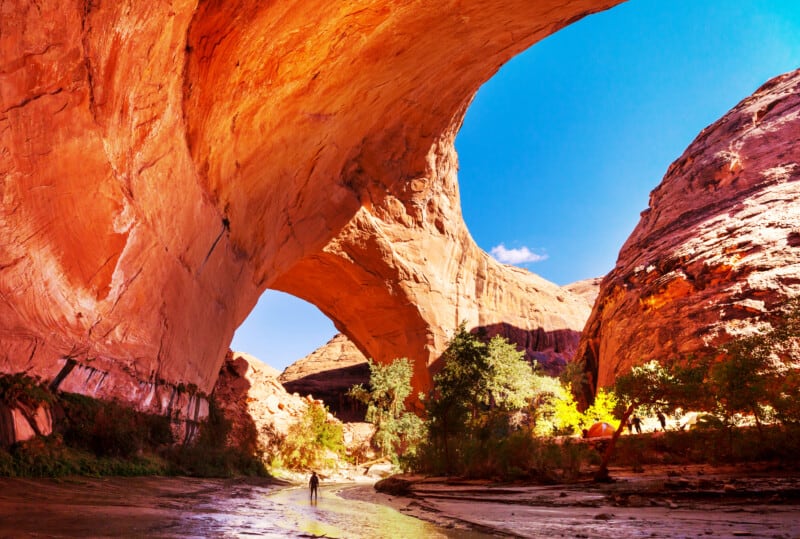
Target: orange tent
pixel 600 430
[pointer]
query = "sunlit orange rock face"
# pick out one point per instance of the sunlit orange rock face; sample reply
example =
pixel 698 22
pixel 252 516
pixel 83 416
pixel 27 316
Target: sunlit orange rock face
pixel 163 163
pixel 717 251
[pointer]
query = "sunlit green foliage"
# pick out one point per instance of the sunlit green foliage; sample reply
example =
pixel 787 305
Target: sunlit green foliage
pixel 488 406
pixel 759 373
pixel 480 396
pixel 509 381
pixel 552 410
pixel 311 441
pixel 601 410
pixel 398 431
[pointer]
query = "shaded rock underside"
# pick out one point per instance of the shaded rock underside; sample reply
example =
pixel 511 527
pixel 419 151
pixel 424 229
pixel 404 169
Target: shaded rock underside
pixel 163 164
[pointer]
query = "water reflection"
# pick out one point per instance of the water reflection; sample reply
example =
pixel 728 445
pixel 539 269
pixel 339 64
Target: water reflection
pixel 158 507
pixel 289 512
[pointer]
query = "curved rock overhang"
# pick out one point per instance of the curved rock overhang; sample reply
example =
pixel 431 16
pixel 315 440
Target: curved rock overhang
pixel 163 163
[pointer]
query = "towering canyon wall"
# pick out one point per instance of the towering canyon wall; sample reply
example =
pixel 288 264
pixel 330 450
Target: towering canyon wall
pixel 162 164
pixel 717 251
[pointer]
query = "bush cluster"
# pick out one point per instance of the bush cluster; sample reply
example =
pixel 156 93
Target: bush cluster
pixel 109 429
pixel 95 437
pixel 210 455
pixel 312 442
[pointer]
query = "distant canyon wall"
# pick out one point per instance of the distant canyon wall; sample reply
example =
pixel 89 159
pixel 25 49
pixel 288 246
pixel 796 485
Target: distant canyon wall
pixel 718 249
pixel 162 164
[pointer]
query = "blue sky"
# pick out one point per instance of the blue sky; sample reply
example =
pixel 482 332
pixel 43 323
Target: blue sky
pixel 560 150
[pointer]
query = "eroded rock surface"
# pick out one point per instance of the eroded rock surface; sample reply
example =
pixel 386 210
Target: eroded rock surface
pixel 588 289
pixel 162 164
pixel 250 396
pixel 328 373
pixel 717 251
pixel 262 412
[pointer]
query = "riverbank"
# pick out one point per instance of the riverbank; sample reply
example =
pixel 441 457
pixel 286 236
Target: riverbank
pixel 678 501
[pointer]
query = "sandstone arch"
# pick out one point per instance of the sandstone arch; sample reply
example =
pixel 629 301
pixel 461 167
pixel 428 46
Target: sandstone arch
pixel 164 163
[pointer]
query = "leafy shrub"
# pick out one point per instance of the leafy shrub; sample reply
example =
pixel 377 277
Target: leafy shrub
pixel 398 431
pixel 21 388
pixel 7 468
pixel 779 445
pixel 110 429
pixel 50 457
pixel 309 439
pixel 210 455
pixel 95 437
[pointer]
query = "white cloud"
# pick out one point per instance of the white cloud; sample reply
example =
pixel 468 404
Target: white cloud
pixel 521 255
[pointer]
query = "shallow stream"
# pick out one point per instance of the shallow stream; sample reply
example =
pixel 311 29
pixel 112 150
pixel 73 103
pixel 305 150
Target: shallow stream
pixel 182 507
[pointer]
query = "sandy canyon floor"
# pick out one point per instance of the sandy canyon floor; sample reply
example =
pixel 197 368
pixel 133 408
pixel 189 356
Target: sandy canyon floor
pixel 696 501
pixel 679 502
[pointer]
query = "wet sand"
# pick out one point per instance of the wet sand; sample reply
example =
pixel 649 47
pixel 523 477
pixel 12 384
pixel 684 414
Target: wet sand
pixel 665 502
pixel 159 507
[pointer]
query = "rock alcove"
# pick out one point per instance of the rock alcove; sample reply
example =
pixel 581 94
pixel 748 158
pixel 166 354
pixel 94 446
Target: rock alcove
pixel 163 164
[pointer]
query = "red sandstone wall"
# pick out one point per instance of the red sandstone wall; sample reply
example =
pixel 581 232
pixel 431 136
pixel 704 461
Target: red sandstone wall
pixel 163 163
pixel 717 250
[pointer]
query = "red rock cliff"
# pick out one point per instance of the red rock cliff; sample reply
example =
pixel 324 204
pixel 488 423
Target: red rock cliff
pixel 164 163
pixel 717 250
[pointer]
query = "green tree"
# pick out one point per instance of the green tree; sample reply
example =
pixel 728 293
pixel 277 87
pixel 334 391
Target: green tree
pixel 744 380
pixel 456 391
pixel 397 430
pixel 481 386
pixel 308 440
pixel 758 373
pixel 655 386
pixel 509 382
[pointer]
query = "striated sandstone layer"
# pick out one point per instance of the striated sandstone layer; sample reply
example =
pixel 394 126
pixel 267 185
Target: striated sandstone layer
pixel 162 164
pixel 717 250
pixel 328 373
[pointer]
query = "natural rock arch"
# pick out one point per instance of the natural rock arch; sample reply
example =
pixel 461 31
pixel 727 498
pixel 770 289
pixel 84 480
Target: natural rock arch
pixel 164 163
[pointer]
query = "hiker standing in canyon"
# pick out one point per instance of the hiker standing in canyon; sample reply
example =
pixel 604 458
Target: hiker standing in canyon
pixel 313 484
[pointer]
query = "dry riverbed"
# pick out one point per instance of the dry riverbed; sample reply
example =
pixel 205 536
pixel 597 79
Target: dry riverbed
pixel 687 501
